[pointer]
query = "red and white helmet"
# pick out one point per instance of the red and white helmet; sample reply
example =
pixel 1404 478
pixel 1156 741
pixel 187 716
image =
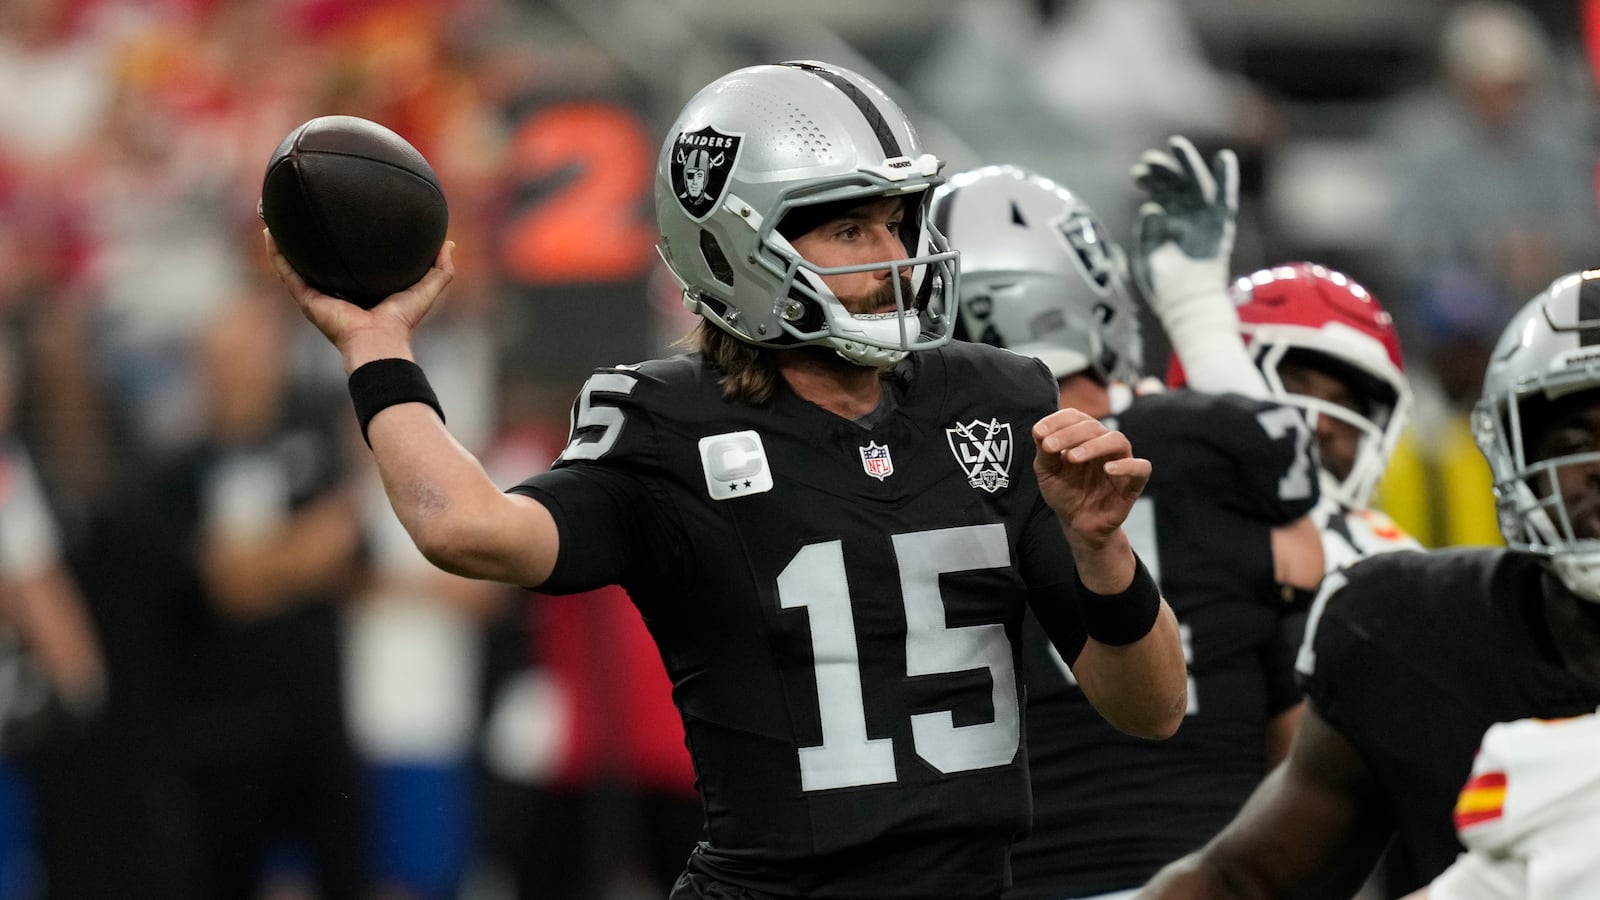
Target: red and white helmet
pixel 1312 314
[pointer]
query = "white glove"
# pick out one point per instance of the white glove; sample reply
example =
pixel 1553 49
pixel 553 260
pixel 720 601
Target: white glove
pixel 1183 244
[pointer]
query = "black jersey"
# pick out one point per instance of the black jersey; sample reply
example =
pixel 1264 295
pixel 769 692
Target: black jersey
pixel 838 608
pixel 1412 656
pixel 1112 809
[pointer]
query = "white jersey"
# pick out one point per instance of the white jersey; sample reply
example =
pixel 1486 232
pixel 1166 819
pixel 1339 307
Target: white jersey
pixel 1349 535
pixel 1529 815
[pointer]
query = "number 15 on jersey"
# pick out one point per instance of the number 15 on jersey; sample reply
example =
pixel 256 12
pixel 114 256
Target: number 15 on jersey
pixel 815 580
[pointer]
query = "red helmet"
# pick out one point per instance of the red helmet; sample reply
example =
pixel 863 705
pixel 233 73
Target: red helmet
pixel 1314 314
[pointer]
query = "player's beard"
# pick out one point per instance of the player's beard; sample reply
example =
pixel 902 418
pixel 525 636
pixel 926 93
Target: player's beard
pixel 883 299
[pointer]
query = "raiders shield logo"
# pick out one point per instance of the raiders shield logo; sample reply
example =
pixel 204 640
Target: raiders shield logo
pixel 1090 247
pixel 983 450
pixel 701 161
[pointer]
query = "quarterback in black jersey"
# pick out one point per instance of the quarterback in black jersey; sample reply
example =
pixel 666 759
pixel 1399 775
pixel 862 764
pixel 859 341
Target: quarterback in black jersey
pixel 1410 657
pixel 829 515
pixel 1223 526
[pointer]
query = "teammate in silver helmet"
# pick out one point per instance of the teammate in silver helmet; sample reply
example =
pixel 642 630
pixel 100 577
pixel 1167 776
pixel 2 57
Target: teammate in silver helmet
pixel 1225 518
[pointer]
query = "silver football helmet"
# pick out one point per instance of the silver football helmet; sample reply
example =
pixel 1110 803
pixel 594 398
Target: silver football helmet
pixel 1549 351
pixel 1039 274
pixel 759 143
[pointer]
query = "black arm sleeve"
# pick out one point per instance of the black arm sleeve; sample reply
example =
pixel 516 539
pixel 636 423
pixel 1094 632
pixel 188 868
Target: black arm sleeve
pixel 1052 592
pixel 613 528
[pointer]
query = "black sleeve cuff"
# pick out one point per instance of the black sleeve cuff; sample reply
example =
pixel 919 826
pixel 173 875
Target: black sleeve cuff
pixel 1122 618
pixel 382 383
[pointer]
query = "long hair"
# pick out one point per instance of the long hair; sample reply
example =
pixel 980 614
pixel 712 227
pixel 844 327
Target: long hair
pixel 749 373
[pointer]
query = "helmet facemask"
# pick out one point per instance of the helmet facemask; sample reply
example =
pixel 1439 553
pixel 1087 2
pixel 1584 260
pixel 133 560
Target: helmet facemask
pixel 1378 422
pixel 1535 515
pixel 1544 374
pixel 810 313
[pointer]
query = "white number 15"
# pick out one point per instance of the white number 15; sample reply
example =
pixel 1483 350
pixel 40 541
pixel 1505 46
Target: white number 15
pixel 815 579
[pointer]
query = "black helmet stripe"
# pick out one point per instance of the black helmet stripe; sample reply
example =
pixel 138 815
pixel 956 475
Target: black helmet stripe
pixel 1589 313
pixel 880 127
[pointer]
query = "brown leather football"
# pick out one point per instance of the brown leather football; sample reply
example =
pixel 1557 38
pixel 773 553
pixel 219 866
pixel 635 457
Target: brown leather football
pixel 354 207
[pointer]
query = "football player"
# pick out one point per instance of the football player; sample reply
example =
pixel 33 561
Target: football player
pixel 53 668
pixel 1313 338
pixel 827 514
pixel 1528 815
pixel 1410 657
pixel 1223 524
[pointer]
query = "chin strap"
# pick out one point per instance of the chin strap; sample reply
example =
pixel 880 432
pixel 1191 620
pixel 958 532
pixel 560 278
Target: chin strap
pixel 884 330
pixel 872 357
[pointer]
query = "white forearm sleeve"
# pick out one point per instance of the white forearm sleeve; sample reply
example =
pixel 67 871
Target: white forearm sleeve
pixel 1203 326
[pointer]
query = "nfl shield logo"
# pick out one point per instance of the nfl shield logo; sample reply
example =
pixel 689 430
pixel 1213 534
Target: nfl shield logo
pixel 875 459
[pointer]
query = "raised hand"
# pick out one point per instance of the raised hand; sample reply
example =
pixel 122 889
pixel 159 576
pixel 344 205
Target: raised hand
pixel 1087 473
pixel 1183 240
pixel 1183 245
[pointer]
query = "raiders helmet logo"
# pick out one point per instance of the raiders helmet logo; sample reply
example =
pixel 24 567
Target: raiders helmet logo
pixel 700 165
pixel 1090 247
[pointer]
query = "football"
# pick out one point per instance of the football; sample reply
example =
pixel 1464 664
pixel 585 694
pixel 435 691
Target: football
pixel 354 208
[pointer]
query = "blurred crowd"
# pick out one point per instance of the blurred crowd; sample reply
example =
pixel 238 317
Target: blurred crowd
pixel 240 677
pixel 240 672
pixel 1442 153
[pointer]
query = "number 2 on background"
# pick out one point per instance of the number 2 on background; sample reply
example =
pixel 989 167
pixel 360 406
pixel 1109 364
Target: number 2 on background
pixel 593 227
pixel 816 580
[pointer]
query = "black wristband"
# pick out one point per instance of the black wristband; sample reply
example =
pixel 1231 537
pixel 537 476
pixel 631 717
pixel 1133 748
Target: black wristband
pixel 382 383
pixel 1120 619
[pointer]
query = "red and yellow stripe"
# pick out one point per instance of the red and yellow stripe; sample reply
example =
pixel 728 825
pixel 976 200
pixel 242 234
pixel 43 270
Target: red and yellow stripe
pixel 1482 800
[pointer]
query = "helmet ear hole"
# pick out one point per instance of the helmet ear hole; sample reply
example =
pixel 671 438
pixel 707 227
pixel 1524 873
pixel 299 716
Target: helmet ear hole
pixel 811 315
pixel 716 261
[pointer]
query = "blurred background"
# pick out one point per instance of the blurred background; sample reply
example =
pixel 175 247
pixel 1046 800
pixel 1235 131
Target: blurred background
pixel 224 672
